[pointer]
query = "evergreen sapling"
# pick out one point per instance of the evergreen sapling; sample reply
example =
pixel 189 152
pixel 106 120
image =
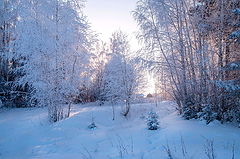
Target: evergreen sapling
pixel 152 121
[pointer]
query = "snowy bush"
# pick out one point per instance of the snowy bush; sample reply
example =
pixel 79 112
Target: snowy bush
pixel 1 104
pixel 152 121
pixel 189 112
pixel 92 125
pixel 207 114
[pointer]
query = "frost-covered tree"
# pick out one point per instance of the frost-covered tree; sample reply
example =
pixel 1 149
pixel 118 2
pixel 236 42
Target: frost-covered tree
pixel 121 72
pixel 10 95
pixel 98 63
pixel 166 34
pixel 190 44
pixel 219 21
pixel 52 45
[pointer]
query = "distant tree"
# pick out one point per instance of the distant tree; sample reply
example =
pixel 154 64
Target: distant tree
pixel 121 72
pixel 98 63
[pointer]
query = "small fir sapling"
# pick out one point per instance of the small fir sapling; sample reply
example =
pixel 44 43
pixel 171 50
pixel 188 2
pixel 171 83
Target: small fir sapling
pixel 152 121
pixel 207 114
pixel 189 111
pixel 92 125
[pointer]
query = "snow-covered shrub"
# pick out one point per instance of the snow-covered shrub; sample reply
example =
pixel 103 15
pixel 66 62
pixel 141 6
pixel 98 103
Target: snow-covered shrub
pixel 92 125
pixel 207 114
pixel 189 111
pixel 152 121
pixel 1 104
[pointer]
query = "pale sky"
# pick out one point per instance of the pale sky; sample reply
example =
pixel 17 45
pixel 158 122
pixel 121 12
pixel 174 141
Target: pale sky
pixel 107 16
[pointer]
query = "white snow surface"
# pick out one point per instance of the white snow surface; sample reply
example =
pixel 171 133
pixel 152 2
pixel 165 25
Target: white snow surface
pixel 26 134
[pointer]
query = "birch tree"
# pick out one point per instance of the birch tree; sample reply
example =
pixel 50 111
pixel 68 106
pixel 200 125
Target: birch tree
pixel 121 74
pixel 52 45
pixel 192 41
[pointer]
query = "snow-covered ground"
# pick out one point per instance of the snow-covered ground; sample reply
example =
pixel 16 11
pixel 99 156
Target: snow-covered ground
pixel 26 134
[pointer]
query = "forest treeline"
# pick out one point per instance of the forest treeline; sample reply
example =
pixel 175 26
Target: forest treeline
pixel 195 54
pixel 49 56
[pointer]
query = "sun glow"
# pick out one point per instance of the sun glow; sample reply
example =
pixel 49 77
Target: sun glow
pixel 150 84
